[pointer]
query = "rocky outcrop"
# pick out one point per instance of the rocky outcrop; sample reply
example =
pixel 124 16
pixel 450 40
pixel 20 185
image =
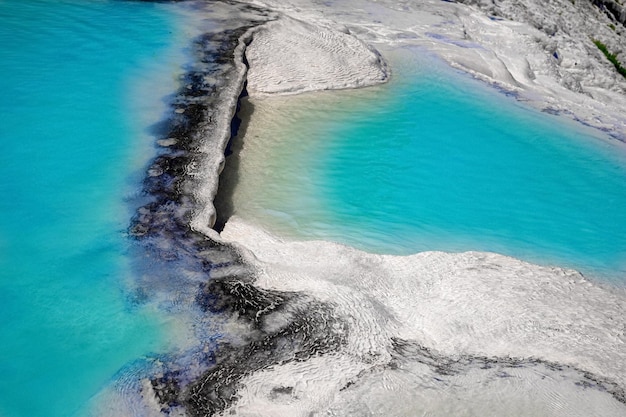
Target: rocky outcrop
pixel 570 26
pixel 614 9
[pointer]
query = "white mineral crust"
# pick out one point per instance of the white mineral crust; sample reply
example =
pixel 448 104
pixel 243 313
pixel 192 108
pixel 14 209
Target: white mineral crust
pixel 472 303
pixel 542 50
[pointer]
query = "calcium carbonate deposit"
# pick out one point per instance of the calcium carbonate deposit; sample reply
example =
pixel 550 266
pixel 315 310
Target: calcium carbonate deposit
pixel 286 328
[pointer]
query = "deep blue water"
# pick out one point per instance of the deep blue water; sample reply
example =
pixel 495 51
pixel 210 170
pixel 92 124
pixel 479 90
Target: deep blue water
pixel 436 160
pixel 75 77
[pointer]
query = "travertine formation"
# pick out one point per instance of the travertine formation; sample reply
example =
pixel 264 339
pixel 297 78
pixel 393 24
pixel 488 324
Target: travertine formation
pixel 542 50
pixel 314 328
pixel 312 58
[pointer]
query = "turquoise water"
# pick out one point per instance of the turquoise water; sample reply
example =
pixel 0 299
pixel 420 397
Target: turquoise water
pixel 439 161
pixel 75 79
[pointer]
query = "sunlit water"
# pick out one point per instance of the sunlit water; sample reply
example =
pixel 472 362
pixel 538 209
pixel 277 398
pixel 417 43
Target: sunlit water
pixel 437 161
pixel 81 81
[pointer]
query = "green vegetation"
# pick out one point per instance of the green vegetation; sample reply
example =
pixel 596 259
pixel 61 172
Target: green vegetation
pixel 612 26
pixel 611 57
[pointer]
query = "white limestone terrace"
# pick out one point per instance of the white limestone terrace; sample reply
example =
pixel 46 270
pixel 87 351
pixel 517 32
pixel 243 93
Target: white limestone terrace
pixel 431 328
pixel 283 56
pixel 544 327
pixel 542 50
pixel 312 58
pixel 476 310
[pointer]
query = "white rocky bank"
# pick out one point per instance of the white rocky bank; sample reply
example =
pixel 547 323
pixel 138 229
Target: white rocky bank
pixel 565 30
pixel 542 50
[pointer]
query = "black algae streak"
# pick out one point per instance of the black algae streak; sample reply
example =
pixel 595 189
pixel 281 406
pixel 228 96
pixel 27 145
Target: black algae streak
pixel 285 327
pixel 168 182
pixel 287 331
pixel 212 276
pixel 445 366
pixel 242 298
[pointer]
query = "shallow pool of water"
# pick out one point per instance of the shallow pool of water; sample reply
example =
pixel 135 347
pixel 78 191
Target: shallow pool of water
pixel 436 160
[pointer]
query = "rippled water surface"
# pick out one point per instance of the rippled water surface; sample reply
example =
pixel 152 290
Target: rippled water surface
pixel 80 82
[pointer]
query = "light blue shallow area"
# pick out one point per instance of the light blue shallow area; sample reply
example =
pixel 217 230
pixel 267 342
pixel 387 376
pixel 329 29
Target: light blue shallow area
pixel 439 161
pixel 68 136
